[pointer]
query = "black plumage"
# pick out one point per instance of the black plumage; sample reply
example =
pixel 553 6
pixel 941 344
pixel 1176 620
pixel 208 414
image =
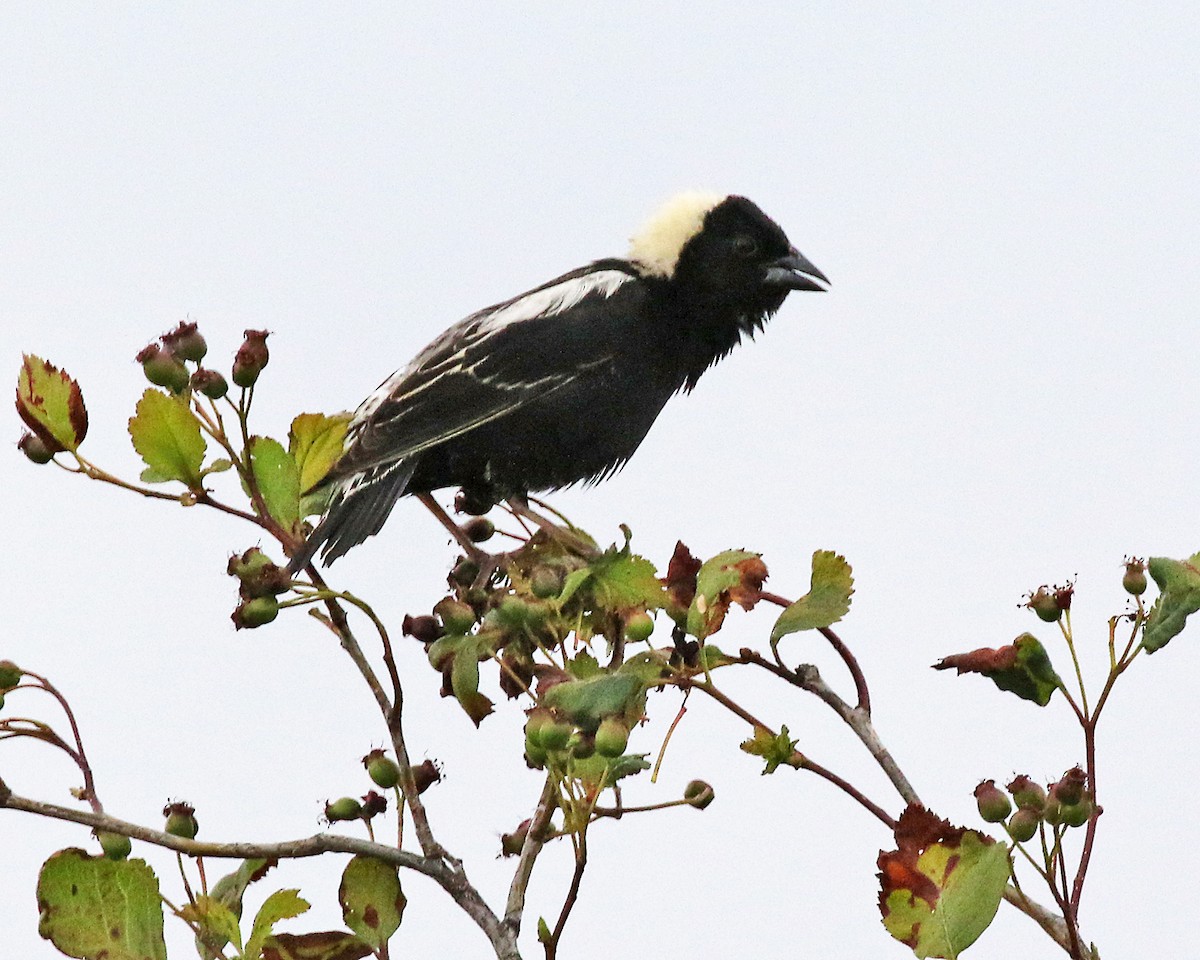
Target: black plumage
pixel 562 383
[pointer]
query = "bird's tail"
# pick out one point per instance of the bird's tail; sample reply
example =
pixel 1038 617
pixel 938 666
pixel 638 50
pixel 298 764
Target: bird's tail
pixel 358 509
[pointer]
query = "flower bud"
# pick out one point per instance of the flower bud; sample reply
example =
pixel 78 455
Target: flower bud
pixel 993 805
pixel 210 383
pixel 162 368
pixel 186 342
pixel 1134 580
pixel 35 449
pixel 344 808
pixel 251 358
pixel 1026 793
pixel 382 769
pixel 181 820
pixel 115 845
pixel 1023 824
pixel 699 794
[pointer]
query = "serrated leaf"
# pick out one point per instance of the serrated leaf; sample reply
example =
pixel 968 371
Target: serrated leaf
pixel 942 886
pixel 603 772
pixel 372 901
pixel 1023 667
pixel 280 905
pixel 50 403
pixel 217 922
pixel 219 465
pixel 583 666
pixel 733 576
pixel 777 749
pixel 587 702
pixel 461 653
pixel 827 601
pixel 166 434
pixel 324 945
pixel 1179 585
pixel 316 442
pixel 229 891
pixel 622 580
pixel 278 480
pixel 94 907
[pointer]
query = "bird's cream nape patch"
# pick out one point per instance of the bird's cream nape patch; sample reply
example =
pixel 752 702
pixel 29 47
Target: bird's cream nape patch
pixel 656 247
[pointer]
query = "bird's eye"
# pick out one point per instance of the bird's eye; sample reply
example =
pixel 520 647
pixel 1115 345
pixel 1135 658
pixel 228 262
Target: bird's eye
pixel 745 245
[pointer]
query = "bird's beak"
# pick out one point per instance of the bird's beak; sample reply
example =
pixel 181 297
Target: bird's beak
pixel 795 272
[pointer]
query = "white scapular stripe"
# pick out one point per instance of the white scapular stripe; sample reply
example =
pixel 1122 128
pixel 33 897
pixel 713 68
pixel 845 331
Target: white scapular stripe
pixel 554 299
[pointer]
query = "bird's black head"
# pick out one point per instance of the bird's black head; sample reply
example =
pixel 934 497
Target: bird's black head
pixel 723 251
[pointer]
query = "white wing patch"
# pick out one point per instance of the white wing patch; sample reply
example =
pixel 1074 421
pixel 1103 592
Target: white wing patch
pixel 656 247
pixel 554 299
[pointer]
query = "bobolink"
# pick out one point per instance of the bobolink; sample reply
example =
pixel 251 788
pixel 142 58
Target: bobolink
pixel 562 383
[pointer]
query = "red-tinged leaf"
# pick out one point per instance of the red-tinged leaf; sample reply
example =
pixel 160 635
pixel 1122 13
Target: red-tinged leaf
pixel 734 576
pixel 51 404
pixel 680 581
pixel 941 886
pixel 325 945
pixel 1023 667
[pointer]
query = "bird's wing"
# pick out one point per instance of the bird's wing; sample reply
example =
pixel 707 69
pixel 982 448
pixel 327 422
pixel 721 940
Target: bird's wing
pixel 490 364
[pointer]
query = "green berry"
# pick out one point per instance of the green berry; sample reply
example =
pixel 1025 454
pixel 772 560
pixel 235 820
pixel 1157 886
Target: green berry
pixel 555 734
pixel 638 627
pixel 479 530
pixel 383 770
pixel 1134 580
pixel 1026 793
pixel 163 369
pixel 344 808
pixel 993 805
pixel 612 736
pixel 546 582
pixel 181 820
pixel 186 342
pixel 1023 824
pixel 535 755
pixel 1046 605
pixel 10 674
pixel 35 449
pixel 457 617
pixel 255 612
pixel 115 846
pixel 251 358
pixel 210 383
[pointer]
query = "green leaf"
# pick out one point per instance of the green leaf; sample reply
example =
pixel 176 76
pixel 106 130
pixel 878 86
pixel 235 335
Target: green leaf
pixel 92 907
pixel 372 901
pixel 278 480
pixel 218 925
pixel 316 442
pixel 1179 585
pixel 51 404
pixel 602 772
pixel 219 465
pixel 776 749
pixel 166 434
pixel 622 580
pixel 827 601
pixel 1023 667
pixel 586 702
pixel 281 905
pixel 942 887
pixel 228 891
pixel 584 666
pixel 461 654
pixel 325 945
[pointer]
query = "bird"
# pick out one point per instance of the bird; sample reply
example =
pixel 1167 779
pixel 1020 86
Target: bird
pixel 560 384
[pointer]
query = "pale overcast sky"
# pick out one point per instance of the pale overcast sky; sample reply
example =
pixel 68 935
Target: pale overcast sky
pixel 999 391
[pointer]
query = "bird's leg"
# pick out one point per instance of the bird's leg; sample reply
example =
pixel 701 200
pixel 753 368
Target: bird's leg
pixel 567 537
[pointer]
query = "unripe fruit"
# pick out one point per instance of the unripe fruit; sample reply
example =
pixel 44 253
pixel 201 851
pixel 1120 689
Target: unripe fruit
pixel 10 674
pixel 1070 789
pixel 472 502
pixel 163 369
pixel 456 616
pixel 115 846
pixel 425 775
pixel 251 358
pixel 424 628
pixel 210 383
pixel 546 582
pixel 479 530
pixel 383 770
pixel 186 342
pixel 638 627
pixel 1045 604
pixel 535 755
pixel 1134 580
pixel 699 794
pixel 993 805
pixel 536 724
pixel 1023 824
pixel 1076 814
pixel 255 612
pixel 555 734
pixel 1052 811
pixel 35 449
pixel 181 820
pixel 464 573
pixel 582 745
pixel 1026 793
pixel 612 736
pixel 344 808
pixel 372 805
